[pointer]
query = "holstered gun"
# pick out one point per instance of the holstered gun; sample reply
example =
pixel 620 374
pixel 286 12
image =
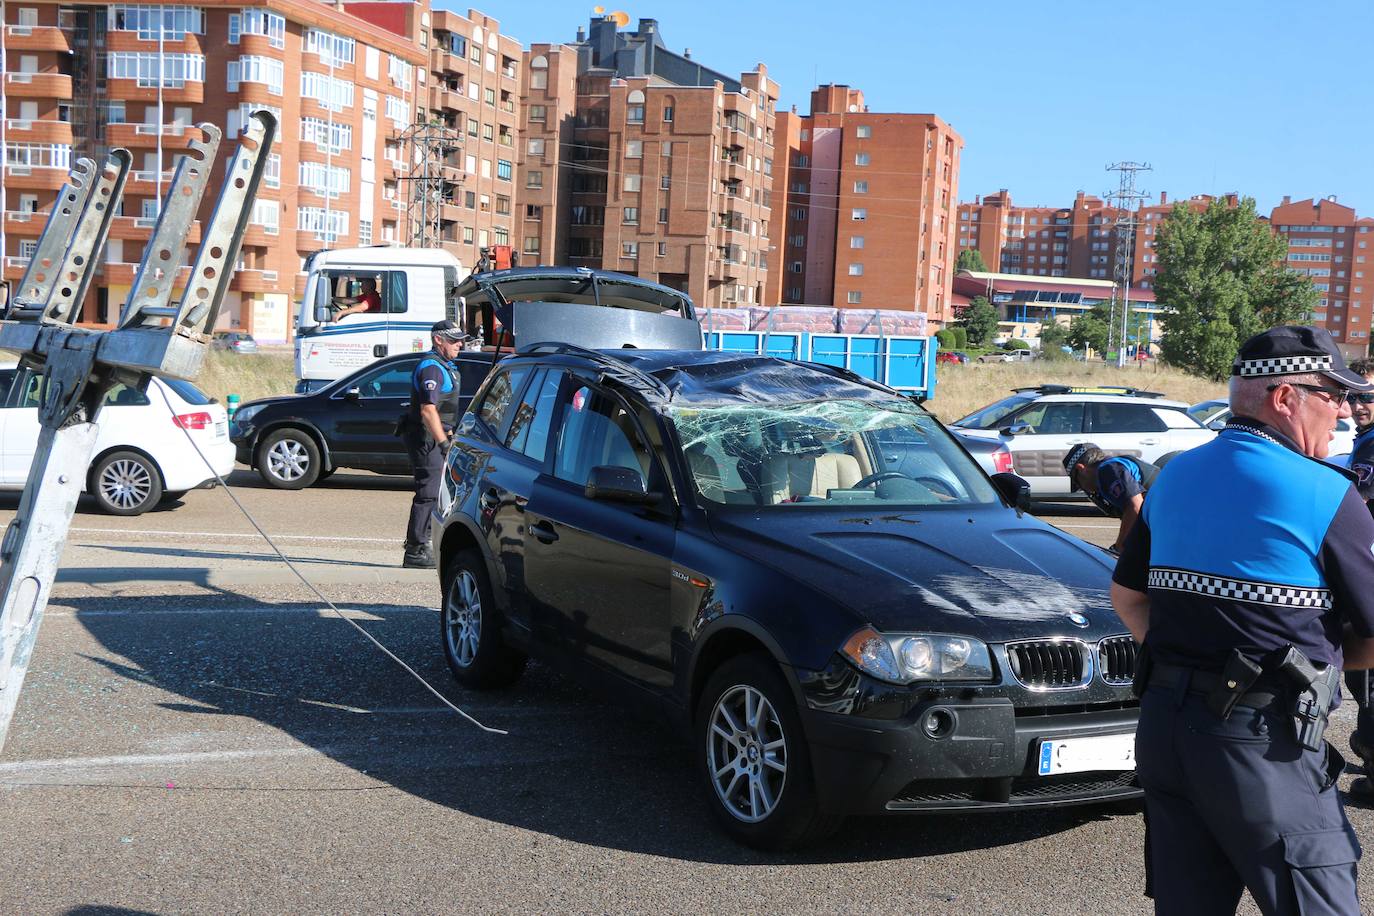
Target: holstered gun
pixel 1144 663
pixel 1314 688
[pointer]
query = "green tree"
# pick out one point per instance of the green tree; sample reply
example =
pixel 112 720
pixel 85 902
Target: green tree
pixel 1222 278
pixel 946 338
pixel 970 259
pixel 979 318
pixel 1053 337
pixel 1089 330
pixel 960 337
pixel 1016 345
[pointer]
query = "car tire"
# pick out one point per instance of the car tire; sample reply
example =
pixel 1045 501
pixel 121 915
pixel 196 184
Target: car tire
pixel 742 764
pixel 289 459
pixel 126 483
pixel 470 627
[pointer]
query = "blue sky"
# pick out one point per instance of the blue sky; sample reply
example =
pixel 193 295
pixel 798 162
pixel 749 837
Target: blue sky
pixel 1262 97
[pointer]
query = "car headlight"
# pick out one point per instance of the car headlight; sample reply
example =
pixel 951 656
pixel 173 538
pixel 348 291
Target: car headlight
pixel 904 658
pixel 244 414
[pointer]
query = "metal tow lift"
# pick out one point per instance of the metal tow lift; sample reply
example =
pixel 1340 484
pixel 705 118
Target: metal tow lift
pixel 80 365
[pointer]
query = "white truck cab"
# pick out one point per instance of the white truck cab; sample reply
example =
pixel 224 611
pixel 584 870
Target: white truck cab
pixel 362 304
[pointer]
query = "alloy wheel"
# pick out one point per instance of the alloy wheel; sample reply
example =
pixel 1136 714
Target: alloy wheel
pixel 288 460
pixel 747 753
pixel 126 483
pixel 464 618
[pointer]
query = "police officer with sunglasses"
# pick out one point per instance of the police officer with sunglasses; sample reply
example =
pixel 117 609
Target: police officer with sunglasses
pixel 1249 578
pixel 1359 683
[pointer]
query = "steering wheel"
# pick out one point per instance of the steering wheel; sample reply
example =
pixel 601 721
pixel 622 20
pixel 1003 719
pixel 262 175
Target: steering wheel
pixel 873 479
pixel 937 485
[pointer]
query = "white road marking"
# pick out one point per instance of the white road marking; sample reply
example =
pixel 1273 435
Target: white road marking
pixel 255 609
pixel 137 532
pixel 1106 527
pixel 134 760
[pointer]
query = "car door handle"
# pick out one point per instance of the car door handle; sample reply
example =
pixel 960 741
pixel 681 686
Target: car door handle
pixel 490 500
pixel 544 532
pixel 1149 441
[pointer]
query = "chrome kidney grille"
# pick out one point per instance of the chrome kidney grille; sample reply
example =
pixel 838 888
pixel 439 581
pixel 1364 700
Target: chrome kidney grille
pixel 1116 658
pixel 1050 664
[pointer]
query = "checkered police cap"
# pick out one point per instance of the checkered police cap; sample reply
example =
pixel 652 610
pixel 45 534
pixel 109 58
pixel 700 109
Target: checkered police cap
pixel 1296 350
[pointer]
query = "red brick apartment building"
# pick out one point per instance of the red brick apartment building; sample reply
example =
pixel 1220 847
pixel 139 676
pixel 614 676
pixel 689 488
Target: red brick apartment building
pixel 1075 241
pixel 344 81
pixel 870 204
pixel 1335 248
pixel 639 159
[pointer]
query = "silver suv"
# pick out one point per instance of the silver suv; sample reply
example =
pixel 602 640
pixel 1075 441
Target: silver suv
pixel 1039 425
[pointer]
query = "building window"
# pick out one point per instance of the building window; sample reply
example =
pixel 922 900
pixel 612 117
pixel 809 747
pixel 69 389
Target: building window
pixel 795 267
pixel 531 246
pixel 860 187
pixel 855 297
pixel 665 182
pixel 861 158
pixel 327 137
pixel 535 146
pixel 667 114
pixel 859 214
pixel 856 241
pixel 258 22
pixel 534 212
pixel 634 149
pixel 503 169
pixel 663 214
pixel 331 181
pixel 667 148
pixel 334 50
pixel 534 179
pixel 631 215
pixel 798 213
pixel 632 182
pixel 176 69
pixel 629 249
pixel 329 92
pixel 488 132
pixel 662 249
pixel 328 225
pixel 364 232
pixel 171 23
pixel 634 114
pixel 863 132
pixel 856 270
pixel 538 113
pixel 489 96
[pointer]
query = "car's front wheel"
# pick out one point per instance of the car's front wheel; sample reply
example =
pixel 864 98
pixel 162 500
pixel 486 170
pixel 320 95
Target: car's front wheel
pixel 755 759
pixel 470 627
pixel 289 459
pixel 126 483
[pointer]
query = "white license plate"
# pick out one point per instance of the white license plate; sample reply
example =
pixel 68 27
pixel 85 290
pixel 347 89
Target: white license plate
pixel 1079 755
pixel 221 430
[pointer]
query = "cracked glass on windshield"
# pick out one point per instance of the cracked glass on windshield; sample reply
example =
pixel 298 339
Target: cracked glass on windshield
pixel 880 453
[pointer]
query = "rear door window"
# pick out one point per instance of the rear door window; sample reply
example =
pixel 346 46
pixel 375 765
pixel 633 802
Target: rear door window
pixel 597 431
pixel 1123 418
pixel 392 382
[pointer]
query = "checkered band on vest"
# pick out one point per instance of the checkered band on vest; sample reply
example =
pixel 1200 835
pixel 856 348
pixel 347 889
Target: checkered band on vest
pixel 1181 580
pixel 1282 365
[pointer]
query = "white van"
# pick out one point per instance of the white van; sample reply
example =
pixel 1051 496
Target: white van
pixel 409 290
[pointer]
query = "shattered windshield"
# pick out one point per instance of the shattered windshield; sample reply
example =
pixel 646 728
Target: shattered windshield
pixel 880 453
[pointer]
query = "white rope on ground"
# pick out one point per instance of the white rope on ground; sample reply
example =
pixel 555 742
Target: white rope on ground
pixel 310 585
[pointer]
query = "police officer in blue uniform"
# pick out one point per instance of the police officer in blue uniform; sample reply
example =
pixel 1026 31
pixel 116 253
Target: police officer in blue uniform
pixel 1115 485
pixel 430 418
pixel 1250 580
pixel 1359 683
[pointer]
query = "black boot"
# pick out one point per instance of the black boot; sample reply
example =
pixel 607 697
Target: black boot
pixel 418 556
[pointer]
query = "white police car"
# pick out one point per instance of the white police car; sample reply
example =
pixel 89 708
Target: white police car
pixel 1039 425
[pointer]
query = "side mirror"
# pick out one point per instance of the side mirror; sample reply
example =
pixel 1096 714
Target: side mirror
pixel 322 299
pixel 1217 425
pixel 1014 489
pixel 1014 429
pixel 620 485
pixel 353 393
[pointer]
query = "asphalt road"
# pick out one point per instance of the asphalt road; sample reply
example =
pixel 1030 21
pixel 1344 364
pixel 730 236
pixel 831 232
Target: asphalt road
pixel 197 735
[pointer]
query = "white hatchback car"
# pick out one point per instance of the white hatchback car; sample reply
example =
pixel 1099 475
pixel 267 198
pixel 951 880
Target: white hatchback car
pixel 1214 414
pixel 1039 425
pixel 142 455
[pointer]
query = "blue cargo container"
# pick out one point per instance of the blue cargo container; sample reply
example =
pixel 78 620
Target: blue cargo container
pixel 904 363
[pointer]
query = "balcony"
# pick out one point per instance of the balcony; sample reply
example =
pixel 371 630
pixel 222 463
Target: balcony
pixel 36 38
pixel 35 177
pixel 23 223
pixel 140 229
pixel 118 273
pixel 23 130
pixel 727 270
pixel 440 60
pixel 248 280
pixel 38 85
pixel 145 136
pixel 259 236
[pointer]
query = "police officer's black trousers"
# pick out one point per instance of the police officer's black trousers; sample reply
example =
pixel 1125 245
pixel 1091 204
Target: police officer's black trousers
pixel 1238 803
pixel 427 463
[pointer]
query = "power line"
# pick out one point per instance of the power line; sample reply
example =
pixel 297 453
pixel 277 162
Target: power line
pixel 1126 200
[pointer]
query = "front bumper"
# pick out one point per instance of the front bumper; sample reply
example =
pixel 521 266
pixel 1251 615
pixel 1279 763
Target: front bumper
pixel 873 751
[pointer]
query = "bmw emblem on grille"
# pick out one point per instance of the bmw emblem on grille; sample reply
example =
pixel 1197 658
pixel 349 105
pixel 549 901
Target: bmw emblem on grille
pixel 1077 619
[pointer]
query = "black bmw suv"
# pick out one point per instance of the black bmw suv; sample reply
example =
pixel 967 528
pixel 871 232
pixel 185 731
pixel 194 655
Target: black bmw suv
pixel 728 535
